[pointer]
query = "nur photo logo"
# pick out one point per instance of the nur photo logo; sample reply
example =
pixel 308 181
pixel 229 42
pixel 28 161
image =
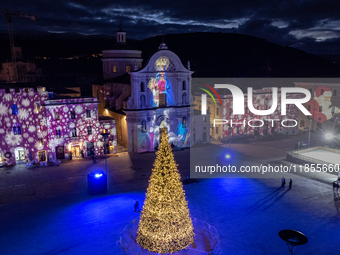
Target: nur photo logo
pixel 239 107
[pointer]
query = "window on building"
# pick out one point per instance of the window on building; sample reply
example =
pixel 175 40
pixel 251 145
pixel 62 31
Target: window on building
pixel 308 107
pixel 204 137
pixel 73 114
pixel 266 104
pixel 14 109
pixel 56 115
pixel 302 123
pixel 199 107
pixel 15 132
pixel 143 129
pixel 216 131
pixel 37 107
pixel 74 132
pixel 208 109
pixel 204 119
pixel 114 69
pixel 184 98
pixel 88 113
pixel 142 87
pixel 184 85
pixel 58 133
pixel 16 129
pixel 335 92
pixel 217 111
pixel 320 108
pixel 127 68
pixel 142 101
pixel 89 130
pixel 184 121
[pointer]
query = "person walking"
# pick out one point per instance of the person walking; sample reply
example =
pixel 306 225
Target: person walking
pixel 337 188
pixel 136 205
pixel 290 183
pixel 334 185
pixel 283 182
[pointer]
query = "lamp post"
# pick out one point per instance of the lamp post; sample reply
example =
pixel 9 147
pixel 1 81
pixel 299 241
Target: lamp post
pixel 310 123
pixel 293 239
pixel 105 135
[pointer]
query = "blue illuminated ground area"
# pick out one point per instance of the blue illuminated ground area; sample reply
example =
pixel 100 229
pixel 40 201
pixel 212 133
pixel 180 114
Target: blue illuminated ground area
pixel 247 213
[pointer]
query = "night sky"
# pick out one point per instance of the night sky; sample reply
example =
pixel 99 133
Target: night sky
pixel 313 26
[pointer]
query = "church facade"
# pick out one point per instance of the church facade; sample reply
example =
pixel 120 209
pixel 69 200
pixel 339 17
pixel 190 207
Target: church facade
pixel 160 98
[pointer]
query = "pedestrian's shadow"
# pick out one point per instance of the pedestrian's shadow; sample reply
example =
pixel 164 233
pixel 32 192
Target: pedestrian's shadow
pixel 276 199
pixel 264 200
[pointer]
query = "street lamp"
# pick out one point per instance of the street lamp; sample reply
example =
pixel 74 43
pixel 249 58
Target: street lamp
pixel 105 135
pixel 328 139
pixel 329 136
pixel 293 239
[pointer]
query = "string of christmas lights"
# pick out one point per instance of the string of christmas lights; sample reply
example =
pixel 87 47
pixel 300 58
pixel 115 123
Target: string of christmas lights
pixel 165 225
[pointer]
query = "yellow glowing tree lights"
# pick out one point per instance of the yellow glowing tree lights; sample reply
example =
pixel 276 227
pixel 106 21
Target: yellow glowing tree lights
pixel 165 225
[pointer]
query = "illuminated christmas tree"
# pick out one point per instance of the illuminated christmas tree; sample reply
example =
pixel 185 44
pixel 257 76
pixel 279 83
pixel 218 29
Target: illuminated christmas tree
pixel 165 225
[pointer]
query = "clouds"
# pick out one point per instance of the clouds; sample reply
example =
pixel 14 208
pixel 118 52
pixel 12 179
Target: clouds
pixel 284 22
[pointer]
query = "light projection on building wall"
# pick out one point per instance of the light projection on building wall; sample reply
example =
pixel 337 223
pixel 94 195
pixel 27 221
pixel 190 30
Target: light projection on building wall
pixel 321 106
pixel 149 130
pixel 160 84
